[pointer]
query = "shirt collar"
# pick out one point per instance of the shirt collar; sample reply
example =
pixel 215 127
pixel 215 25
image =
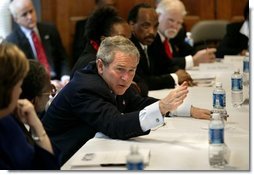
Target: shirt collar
pixel 143 46
pixel 161 36
pixel 27 31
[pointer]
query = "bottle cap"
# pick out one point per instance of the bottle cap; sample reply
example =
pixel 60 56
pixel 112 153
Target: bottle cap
pixel 216 115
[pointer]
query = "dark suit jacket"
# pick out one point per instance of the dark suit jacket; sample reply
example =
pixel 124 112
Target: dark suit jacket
pixel 52 44
pixel 181 48
pixel 233 42
pixel 157 76
pixel 85 106
pixel 18 154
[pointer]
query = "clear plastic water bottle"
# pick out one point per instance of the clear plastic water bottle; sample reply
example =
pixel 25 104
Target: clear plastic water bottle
pixel 219 97
pixel 237 89
pixel 219 100
pixel 216 141
pixel 246 75
pixel 134 160
pixel 189 39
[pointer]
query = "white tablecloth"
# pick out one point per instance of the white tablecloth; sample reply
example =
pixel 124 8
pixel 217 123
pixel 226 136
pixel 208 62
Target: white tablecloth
pixel 182 144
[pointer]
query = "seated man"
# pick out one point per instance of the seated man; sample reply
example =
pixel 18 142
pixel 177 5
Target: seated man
pixel 99 99
pixel 171 15
pixel 154 67
pixel 236 40
pixel 39 41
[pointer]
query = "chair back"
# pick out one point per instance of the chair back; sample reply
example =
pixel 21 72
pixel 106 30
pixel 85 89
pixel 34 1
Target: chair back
pixel 208 33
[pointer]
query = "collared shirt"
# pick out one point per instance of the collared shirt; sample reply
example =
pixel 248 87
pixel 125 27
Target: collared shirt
pixel 28 34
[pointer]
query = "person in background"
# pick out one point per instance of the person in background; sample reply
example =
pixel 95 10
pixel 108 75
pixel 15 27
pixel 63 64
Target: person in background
pixel 80 40
pixel 157 71
pixel 36 87
pixel 15 150
pixel 236 40
pixel 171 14
pixel 101 23
pixel 99 99
pixel 39 41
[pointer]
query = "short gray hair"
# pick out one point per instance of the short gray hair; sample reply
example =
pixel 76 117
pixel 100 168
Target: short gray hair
pixel 110 45
pixel 167 5
pixel 13 5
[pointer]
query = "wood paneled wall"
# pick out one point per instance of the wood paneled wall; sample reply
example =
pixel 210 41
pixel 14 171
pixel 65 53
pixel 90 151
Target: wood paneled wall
pixel 65 13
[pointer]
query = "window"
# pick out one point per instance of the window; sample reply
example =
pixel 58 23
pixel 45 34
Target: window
pixel 5 18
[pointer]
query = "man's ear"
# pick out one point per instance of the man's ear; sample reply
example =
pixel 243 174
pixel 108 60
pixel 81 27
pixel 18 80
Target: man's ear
pixel 100 66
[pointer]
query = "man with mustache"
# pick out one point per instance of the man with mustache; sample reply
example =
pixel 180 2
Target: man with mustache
pixel 154 67
pixel 170 16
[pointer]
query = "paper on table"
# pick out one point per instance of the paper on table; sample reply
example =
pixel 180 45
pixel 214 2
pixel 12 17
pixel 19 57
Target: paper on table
pixel 203 79
pixel 107 158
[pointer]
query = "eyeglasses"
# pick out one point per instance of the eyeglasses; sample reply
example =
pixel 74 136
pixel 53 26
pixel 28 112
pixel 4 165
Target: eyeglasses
pixel 52 93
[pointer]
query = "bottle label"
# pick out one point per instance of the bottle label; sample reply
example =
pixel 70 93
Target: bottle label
pixel 236 84
pixel 135 166
pixel 246 67
pixel 219 101
pixel 216 136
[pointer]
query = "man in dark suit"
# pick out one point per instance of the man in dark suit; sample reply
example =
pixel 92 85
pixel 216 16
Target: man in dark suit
pixel 99 99
pixel 80 40
pixel 158 71
pixel 236 40
pixel 23 13
pixel 170 16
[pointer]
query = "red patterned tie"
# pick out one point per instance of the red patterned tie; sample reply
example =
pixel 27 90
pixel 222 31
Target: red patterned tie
pixel 41 56
pixel 168 49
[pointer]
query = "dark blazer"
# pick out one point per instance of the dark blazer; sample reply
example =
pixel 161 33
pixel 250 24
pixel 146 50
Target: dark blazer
pixel 85 106
pixel 18 154
pixel 233 42
pixel 52 44
pixel 181 48
pixel 157 76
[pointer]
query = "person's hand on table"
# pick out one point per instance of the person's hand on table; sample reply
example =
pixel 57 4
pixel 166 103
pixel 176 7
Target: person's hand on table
pixel 200 113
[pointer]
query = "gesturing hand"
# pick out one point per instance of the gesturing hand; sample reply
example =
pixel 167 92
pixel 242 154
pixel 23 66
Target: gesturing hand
pixel 174 98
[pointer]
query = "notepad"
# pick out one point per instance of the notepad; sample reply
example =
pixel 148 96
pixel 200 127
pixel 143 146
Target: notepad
pixel 107 158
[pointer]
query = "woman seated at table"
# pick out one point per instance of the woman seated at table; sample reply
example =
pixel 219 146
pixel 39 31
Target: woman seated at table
pixel 16 152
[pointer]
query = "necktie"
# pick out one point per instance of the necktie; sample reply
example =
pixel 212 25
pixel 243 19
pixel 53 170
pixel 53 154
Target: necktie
pixel 147 58
pixel 41 56
pixel 168 49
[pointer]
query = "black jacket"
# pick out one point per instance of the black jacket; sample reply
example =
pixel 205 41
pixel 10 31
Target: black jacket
pixel 85 106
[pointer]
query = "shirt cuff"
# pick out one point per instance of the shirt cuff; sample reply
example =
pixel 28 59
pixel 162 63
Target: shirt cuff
pixel 189 62
pixel 150 117
pixel 175 77
pixel 183 110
